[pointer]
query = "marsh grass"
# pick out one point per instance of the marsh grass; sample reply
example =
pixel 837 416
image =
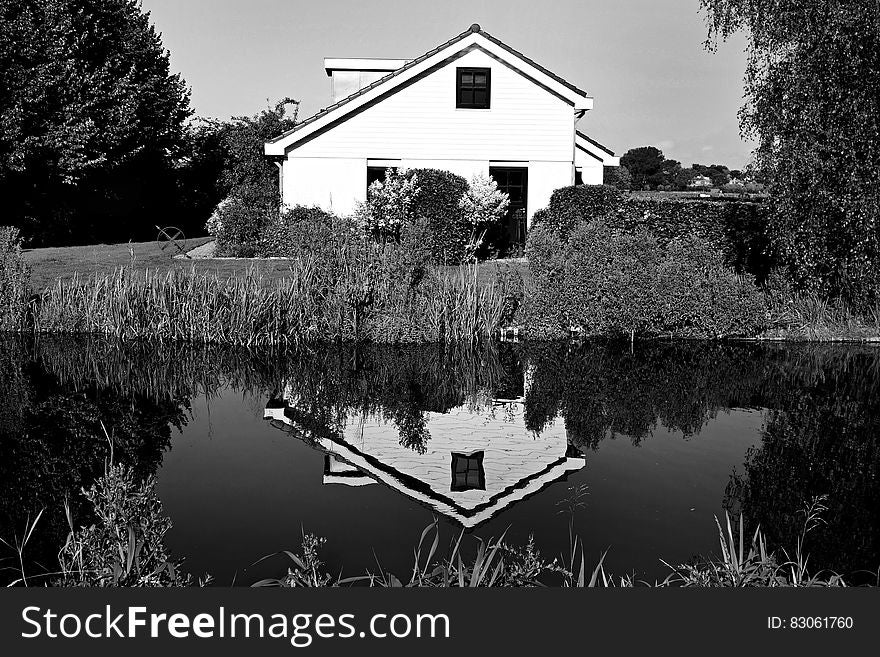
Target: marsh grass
pixel 811 317
pixel 752 563
pixel 496 563
pixel 364 301
pixel 14 281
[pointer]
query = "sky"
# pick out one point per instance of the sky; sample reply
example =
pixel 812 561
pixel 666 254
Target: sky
pixel 643 61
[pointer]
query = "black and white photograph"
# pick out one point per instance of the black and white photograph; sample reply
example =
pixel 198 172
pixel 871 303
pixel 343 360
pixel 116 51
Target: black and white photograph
pixel 429 295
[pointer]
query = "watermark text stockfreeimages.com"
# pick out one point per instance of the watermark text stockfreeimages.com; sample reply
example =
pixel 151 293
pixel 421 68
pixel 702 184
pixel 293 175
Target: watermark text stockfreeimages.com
pixel 301 629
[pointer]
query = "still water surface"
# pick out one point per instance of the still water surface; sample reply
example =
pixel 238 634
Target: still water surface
pixel 366 446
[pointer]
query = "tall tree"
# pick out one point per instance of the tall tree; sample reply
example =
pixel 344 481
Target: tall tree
pixel 91 119
pixel 644 163
pixel 812 86
pixel 248 181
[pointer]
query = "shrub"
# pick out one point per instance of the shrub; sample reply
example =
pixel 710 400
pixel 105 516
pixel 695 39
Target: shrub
pixel 297 232
pixel 701 297
pixel 389 205
pixel 737 228
pixel 607 281
pixel 239 221
pixel 569 206
pixel 438 203
pixel 611 282
pixel 126 546
pixel 455 215
pixel 543 311
pixel 14 280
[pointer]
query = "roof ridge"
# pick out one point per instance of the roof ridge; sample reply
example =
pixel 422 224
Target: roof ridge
pixel 473 29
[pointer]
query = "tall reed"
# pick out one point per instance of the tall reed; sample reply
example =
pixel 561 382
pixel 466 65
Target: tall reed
pixel 14 281
pixel 362 301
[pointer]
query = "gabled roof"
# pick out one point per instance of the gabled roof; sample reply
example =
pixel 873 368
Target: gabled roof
pixel 596 150
pixel 473 38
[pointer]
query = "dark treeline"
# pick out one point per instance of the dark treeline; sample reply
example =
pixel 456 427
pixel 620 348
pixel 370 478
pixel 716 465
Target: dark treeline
pixel 98 142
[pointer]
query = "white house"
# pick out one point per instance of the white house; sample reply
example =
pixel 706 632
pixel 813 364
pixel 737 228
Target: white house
pixel 471 105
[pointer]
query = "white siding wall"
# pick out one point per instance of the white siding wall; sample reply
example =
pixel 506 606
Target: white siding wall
pixel 335 184
pixel 544 177
pixel 592 169
pixel 421 126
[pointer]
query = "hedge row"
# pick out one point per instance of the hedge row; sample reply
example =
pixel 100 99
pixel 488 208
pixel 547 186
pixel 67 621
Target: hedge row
pixel 604 281
pixel 738 229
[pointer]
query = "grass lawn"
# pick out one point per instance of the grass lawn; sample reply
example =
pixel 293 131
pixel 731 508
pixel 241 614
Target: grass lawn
pixel 51 264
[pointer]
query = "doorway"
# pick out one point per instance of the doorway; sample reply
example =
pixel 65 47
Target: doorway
pixel 509 238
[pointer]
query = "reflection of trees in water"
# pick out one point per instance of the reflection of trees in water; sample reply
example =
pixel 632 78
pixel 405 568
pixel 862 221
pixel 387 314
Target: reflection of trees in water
pixel 820 437
pixel 58 392
pixel 821 433
pixel 395 384
pixel 604 390
pixel 52 443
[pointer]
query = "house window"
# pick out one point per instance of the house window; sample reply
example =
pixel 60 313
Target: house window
pixel 472 88
pixel 467 472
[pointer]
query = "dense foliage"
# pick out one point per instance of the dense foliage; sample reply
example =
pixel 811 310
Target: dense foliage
pixel 298 232
pixel 439 203
pixel 91 121
pixel 604 281
pixel 248 180
pixel 737 228
pixel 618 177
pixel 389 205
pixel 812 87
pixel 645 165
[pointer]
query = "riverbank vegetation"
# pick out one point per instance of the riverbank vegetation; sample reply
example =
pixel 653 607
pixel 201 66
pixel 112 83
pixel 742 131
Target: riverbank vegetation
pixel 342 288
pixel 125 546
pixel 602 281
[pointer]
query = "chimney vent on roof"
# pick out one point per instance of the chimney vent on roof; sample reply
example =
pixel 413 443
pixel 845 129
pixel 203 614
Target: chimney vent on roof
pixel 348 75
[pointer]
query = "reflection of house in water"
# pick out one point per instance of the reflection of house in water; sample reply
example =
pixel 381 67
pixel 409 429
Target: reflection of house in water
pixel 474 465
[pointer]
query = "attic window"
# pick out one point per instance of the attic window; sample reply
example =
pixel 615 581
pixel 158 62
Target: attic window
pixel 472 88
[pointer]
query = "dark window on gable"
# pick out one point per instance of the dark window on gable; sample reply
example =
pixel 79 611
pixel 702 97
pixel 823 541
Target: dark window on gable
pixel 467 472
pixel 472 88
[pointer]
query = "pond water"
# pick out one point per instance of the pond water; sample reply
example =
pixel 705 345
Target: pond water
pixel 639 448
